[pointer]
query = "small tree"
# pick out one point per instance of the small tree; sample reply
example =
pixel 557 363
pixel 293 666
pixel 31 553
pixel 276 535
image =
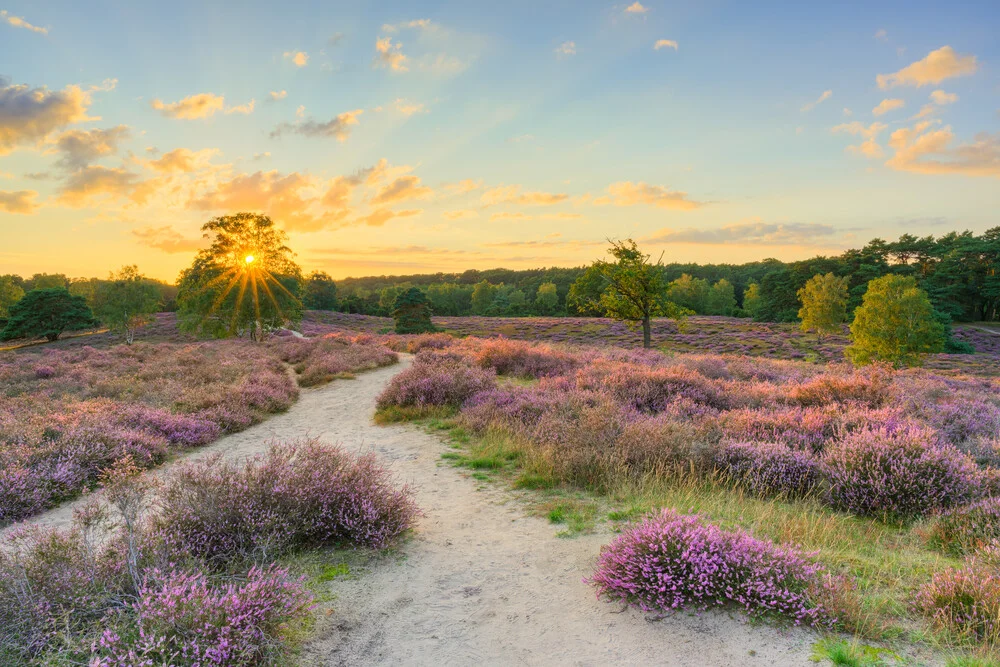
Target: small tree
pixel 321 292
pixel 10 293
pixel 47 312
pixel 721 299
pixel 547 299
pixel 412 312
pixel 584 294
pixel 824 303
pixel 482 297
pixel 126 301
pixel 895 323
pixel 751 300
pixel 636 288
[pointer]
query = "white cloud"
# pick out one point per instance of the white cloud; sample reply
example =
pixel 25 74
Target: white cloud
pixel 566 49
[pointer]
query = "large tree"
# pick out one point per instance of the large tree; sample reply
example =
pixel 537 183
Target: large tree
pixel 10 293
pixel 636 290
pixel 244 283
pixel 48 313
pixel 824 304
pixel 320 292
pixel 126 301
pixel 895 323
pixel 412 312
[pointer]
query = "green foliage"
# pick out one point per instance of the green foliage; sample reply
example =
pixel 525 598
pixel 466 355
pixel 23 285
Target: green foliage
pixel 46 281
pixel 895 323
pixel 689 292
pixel 721 299
pixel 824 304
pixel 585 293
pixel 547 299
pixel 48 313
pixel 752 300
pixel 10 293
pixel 412 312
pixel 244 283
pixel 126 301
pixel 320 292
pixel 482 297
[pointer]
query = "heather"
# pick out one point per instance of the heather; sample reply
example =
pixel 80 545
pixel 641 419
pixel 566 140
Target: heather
pixel 320 360
pixel 135 580
pixel 769 468
pixel 965 530
pixel 964 602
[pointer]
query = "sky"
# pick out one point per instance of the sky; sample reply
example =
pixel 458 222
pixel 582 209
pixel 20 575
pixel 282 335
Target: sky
pixel 415 137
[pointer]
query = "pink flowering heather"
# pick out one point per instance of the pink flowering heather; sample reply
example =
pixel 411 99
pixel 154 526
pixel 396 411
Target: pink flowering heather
pixel 320 360
pixel 897 475
pixel 436 379
pixel 649 389
pixel 964 602
pixel 184 619
pixel 965 530
pixel 769 469
pixel 519 359
pixel 670 562
pixel 294 496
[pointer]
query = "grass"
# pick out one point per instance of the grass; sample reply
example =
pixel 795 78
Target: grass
pixel 844 653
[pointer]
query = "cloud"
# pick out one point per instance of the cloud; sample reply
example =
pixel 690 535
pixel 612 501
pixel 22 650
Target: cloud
pixel 511 194
pixel 182 161
pixel 443 65
pixel 192 107
pixel 881 35
pixel 923 150
pixel 29 115
pixel 566 49
pixel 636 8
pixel 338 128
pixel 389 55
pixel 935 68
pixel 245 109
pixel 462 214
pixel 887 105
pixel 626 193
pixel 423 24
pixel 753 232
pixel 383 215
pixel 512 217
pixel 21 202
pixel 298 58
pixel 335 39
pixel 408 108
pixel 81 147
pixel 665 44
pixel 287 198
pixel 167 239
pixel 276 95
pixel 869 147
pixel 19 22
pixel 402 189
pixel 827 94
pixel 562 216
pixel 96 181
pixel 261 156
pixel 942 98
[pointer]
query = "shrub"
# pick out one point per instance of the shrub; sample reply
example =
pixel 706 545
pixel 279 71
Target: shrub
pixel 295 495
pixel 649 390
pixel 769 469
pixel 868 386
pixel 669 561
pixel 964 530
pixel 321 360
pixel 520 359
pixel 897 475
pixel 436 379
pixel 665 444
pixel 182 618
pixel 964 602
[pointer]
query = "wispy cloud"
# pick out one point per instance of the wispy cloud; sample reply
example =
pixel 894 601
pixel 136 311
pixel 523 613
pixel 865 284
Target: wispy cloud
pixel 627 193
pixel 19 22
pixel 937 66
pixel 809 106
pixel 636 8
pixel 202 105
pixel 566 49
pixel 753 232
pixel 20 202
pixel 298 58
pixel 887 105
pixel 665 44
pixel 338 128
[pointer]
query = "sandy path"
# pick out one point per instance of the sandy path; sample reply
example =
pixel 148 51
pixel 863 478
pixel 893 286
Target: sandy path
pixel 480 582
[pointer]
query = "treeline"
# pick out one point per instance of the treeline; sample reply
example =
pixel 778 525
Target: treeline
pixel 13 287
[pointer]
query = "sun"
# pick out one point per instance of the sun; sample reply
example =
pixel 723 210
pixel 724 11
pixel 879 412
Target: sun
pixel 249 259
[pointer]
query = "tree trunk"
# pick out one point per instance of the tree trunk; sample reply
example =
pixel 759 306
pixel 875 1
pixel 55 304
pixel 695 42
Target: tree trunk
pixel 645 333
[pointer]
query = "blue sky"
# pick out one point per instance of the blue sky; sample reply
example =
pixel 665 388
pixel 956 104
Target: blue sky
pixel 405 137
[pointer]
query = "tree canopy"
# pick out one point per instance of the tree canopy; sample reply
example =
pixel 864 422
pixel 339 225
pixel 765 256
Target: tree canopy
pixel 47 312
pixel 412 312
pixel 320 292
pixel 824 304
pixel 126 301
pixel 895 323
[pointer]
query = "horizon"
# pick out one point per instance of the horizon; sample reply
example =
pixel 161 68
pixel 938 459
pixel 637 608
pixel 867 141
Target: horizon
pixel 427 138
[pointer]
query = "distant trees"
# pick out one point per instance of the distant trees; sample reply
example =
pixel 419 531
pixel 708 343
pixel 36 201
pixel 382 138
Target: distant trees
pixel 547 299
pixel 483 295
pixel 412 312
pixel 47 312
pixel 721 299
pixel 895 323
pixel 320 292
pixel 752 300
pixel 824 304
pixel 244 283
pixel 10 293
pixel 126 301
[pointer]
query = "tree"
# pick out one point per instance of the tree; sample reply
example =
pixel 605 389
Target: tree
pixel 10 293
pixel 824 303
pixel 688 292
pixel 48 313
pixel 126 301
pixel 751 300
pixel 547 299
pixel 585 293
pixel 636 289
pixel 244 283
pixel 412 312
pixel 482 297
pixel 46 281
pixel 721 299
pixel 895 323
pixel 320 292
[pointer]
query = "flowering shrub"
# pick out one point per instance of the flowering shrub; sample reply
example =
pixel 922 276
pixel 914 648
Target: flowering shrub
pixel 295 495
pixel 320 360
pixel 769 469
pixel 897 475
pixel 519 359
pixel 964 602
pixel 436 379
pixel 669 561
pixel 965 530
pixel 646 389
pixel 182 618
pixel 869 386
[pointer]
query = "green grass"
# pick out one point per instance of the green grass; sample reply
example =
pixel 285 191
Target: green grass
pixel 845 653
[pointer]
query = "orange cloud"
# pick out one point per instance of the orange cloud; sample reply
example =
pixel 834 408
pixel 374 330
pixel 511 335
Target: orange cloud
pixel 665 44
pixel 21 202
pixel 192 107
pixel 29 115
pixel 383 215
pixel 460 214
pixel 182 160
pixel 389 55
pixel 94 182
pixel 511 194
pixel 514 217
pixel 934 68
pixel 885 106
pixel 81 147
pixel 402 189
pixel 869 147
pixel 626 193
pixel 19 22
pixel 827 94
pixel 337 127
pixel 286 198
pixel 636 8
pixel 922 150
pixel 298 58
pixel 167 239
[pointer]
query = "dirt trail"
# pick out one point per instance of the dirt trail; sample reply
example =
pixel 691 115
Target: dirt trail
pixel 480 582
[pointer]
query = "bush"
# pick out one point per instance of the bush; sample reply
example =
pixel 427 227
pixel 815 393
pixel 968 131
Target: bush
pixel 320 360
pixel 294 496
pixel 964 602
pixel 965 530
pixel 669 562
pixel 436 379
pixel 897 475
pixel 650 390
pixel 769 469
pixel 526 360
pixel 869 386
pixel 183 619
